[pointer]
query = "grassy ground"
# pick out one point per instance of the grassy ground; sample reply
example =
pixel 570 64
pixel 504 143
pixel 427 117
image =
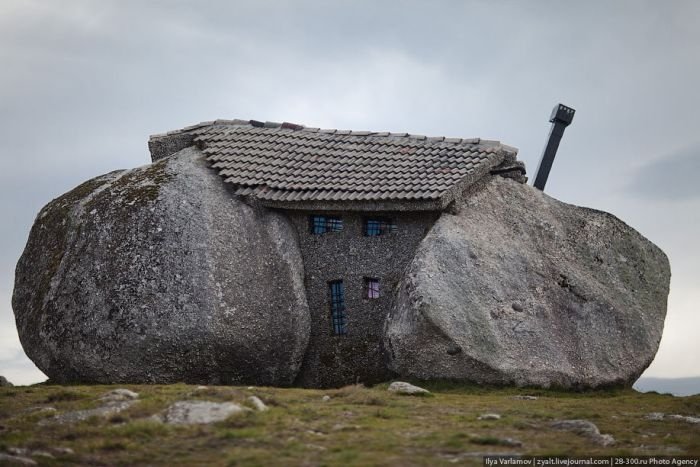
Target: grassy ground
pixel 357 426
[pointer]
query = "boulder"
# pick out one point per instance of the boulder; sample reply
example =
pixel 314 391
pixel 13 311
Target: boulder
pixel 159 275
pixel 5 383
pixel 519 288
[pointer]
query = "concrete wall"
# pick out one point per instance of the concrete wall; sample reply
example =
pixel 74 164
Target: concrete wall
pixel 337 360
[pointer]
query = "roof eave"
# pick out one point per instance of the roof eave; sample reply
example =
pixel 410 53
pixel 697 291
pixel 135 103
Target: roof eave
pixel 362 205
pixel 455 191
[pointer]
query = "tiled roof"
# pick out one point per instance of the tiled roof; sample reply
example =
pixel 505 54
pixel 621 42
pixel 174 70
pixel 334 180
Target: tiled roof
pixel 287 163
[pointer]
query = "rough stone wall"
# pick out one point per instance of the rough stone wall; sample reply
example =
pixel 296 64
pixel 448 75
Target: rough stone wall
pixel 162 146
pixel 333 360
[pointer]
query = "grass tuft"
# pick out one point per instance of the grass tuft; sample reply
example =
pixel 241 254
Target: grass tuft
pixel 65 396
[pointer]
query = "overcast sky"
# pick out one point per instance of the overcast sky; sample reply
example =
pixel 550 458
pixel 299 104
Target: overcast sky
pixel 84 83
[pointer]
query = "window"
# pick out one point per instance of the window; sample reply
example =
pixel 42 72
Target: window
pixel 371 287
pixel 338 307
pixel 375 227
pixel 323 224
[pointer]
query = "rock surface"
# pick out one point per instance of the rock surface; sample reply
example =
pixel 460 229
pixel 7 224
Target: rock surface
pixel 584 428
pixel 119 394
pixel 9 459
pixel 112 402
pixel 519 288
pixel 199 412
pixel 257 403
pixel 525 398
pixel 489 416
pixel 104 411
pixel 158 274
pixel 658 416
pixel 401 387
pixel 4 382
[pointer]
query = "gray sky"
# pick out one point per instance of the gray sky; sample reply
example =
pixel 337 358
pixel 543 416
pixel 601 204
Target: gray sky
pixel 84 83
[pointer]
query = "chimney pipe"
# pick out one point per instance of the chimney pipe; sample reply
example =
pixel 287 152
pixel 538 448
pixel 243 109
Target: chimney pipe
pixel 561 118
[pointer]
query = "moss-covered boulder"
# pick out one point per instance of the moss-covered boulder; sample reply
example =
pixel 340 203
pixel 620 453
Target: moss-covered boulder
pixel 158 274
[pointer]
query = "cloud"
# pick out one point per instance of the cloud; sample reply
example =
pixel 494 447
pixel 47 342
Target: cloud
pixel 673 177
pixel 84 84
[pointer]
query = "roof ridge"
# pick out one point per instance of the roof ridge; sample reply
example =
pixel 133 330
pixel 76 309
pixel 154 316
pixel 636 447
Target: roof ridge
pixel 331 131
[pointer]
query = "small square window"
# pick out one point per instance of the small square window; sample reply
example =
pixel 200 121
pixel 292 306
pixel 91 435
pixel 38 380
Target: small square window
pixel 324 224
pixel 376 227
pixel 338 307
pixel 371 287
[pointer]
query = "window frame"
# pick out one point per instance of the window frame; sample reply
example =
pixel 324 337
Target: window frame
pixel 339 321
pixel 320 224
pixel 372 289
pixel 384 226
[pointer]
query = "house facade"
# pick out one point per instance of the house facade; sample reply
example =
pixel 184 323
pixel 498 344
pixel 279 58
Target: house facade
pixel 361 203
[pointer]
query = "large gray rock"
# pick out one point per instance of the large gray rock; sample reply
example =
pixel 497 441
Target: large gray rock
pixel 198 412
pixel 519 288
pixel 158 274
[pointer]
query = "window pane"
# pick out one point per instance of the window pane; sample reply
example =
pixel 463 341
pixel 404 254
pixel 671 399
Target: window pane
pixel 371 287
pixel 338 307
pixel 374 227
pixel 324 224
pixel 334 224
pixel 387 226
pixel 318 225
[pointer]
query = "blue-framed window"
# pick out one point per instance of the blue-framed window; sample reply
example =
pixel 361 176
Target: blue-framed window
pixel 376 227
pixel 371 287
pixel 338 307
pixel 323 224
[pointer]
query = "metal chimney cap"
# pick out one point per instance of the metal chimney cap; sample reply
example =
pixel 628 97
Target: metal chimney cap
pixel 562 114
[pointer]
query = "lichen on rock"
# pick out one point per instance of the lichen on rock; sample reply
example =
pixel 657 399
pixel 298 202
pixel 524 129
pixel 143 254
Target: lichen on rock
pixel 519 288
pixel 157 274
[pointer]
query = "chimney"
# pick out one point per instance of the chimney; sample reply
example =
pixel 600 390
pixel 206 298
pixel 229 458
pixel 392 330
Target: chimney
pixel 561 118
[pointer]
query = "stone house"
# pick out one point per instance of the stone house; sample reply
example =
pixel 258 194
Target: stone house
pixel 361 202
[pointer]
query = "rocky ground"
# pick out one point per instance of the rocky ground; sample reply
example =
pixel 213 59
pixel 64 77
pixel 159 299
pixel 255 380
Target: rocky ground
pixel 384 425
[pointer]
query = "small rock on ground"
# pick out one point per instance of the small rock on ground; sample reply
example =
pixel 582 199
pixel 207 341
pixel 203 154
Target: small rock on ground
pixel 512 442
pixel 526 398
pixel 119 394
pixel 489 416
pixel 401 387
pixel 26 452
pixel 80 415
pixel 584 428
pixel 198 412
pixel 257 403
pixel 40 409
pixel 4 382
pixel 326 398
pixel 64 451
pixel 8 459
pixel 684 418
